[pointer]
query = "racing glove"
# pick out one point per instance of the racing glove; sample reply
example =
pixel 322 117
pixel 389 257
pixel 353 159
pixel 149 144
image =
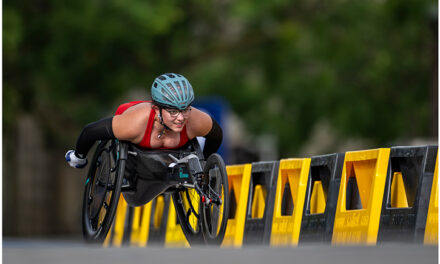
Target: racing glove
pixel 75 161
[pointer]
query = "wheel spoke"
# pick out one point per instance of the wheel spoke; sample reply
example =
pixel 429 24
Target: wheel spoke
pixel 90 200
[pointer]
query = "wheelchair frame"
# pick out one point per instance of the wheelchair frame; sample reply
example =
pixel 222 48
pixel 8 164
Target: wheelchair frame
pixel 199 190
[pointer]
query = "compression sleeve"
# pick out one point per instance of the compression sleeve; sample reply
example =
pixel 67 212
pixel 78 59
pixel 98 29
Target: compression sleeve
pixel 213 139
pixel 99 130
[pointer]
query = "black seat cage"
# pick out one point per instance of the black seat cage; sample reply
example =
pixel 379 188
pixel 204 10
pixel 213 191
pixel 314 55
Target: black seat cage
pixel 164 166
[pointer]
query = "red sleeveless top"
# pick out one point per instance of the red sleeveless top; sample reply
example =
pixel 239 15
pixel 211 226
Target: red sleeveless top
pixel 145 143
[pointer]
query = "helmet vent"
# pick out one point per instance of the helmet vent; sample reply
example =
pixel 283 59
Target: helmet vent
pixel 155 84
pixel 162 78
pixel 168 100
pixel 179 88
pixel 171 75
pixel 172 89
pixel 166 94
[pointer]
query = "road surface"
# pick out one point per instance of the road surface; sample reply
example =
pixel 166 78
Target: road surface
pixel 70 252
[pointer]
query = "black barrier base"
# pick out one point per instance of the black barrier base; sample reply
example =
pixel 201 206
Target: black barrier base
pixel 258 230
pixel 415 167
pixel 326 169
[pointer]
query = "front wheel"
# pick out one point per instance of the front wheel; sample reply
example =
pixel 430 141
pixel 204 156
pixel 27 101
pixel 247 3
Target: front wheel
pixel 215 207
pixel 187 206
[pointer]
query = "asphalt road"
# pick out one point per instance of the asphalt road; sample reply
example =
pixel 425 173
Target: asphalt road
pixel 69 252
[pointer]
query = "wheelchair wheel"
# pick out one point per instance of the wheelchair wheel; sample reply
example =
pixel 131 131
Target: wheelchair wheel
pixel 187 205
pixel 102 191
pixel 214 215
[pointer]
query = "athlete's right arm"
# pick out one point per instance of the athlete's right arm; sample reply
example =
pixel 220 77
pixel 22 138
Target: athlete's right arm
pixel 128 126
pixel 99 130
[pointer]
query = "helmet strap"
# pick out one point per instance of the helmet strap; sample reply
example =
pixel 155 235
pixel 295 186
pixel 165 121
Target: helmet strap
pixel 165 127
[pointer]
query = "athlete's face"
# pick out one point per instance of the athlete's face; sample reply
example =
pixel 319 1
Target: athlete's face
pixel 175 119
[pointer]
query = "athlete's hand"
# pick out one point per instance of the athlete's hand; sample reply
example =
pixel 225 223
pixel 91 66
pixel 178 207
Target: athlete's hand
pixel 74 161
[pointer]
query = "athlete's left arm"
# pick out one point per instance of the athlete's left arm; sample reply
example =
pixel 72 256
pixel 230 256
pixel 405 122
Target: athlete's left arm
pixel 202 124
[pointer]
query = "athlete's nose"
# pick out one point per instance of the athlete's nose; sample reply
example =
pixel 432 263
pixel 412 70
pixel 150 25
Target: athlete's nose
pixel 180 117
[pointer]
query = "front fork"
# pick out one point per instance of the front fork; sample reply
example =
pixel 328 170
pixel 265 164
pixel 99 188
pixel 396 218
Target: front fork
pixel 197 176
pixel 207 199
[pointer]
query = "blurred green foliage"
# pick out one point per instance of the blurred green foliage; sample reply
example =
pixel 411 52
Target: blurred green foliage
pixel 364 66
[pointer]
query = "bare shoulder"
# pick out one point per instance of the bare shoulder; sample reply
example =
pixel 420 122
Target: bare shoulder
pixel 131 124
pixel 199 123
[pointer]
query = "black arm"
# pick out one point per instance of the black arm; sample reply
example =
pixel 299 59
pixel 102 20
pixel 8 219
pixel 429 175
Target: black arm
pixel 213 139
pixel 99 130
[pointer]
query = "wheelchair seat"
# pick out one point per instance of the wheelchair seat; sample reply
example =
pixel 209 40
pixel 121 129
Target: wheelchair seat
pixel 149 174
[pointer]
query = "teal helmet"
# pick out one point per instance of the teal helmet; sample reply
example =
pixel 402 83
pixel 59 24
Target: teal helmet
pixel 172 90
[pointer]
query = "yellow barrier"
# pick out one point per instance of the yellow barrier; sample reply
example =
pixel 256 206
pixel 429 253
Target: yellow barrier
pixel 140 225
pixel 431 230
pixel 357 216
pixel 174 236
pixel 292 179
pixel 115 237
pixel 238 180
pixel 357 220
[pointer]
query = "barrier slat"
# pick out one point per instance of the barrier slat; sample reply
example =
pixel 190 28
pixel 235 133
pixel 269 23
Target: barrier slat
pixel 360 197
pixel 174 236
pixel 140 226
pixel 116 234
pixel 289 201
pixel 238 180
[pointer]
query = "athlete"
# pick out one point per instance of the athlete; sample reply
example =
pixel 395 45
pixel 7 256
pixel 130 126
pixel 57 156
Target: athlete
pixel 167 122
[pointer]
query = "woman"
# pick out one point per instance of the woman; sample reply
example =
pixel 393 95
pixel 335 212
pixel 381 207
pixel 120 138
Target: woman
pixel 166 122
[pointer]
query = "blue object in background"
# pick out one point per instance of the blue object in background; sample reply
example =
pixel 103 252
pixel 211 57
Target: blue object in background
pixel 218 108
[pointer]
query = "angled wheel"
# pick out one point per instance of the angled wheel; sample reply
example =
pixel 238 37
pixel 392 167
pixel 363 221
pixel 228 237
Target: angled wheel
pixel 102 191
pixel 187 206
pixel 214 214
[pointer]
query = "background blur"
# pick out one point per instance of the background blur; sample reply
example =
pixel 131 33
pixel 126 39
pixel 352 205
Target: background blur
pixel 292 78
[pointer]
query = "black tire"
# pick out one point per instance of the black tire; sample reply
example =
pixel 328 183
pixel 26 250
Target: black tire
pixel 187 206
pixel 102 190
pixel 214 216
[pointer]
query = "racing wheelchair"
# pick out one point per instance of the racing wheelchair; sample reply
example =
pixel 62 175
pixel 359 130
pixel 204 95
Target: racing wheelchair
pixel 198 187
